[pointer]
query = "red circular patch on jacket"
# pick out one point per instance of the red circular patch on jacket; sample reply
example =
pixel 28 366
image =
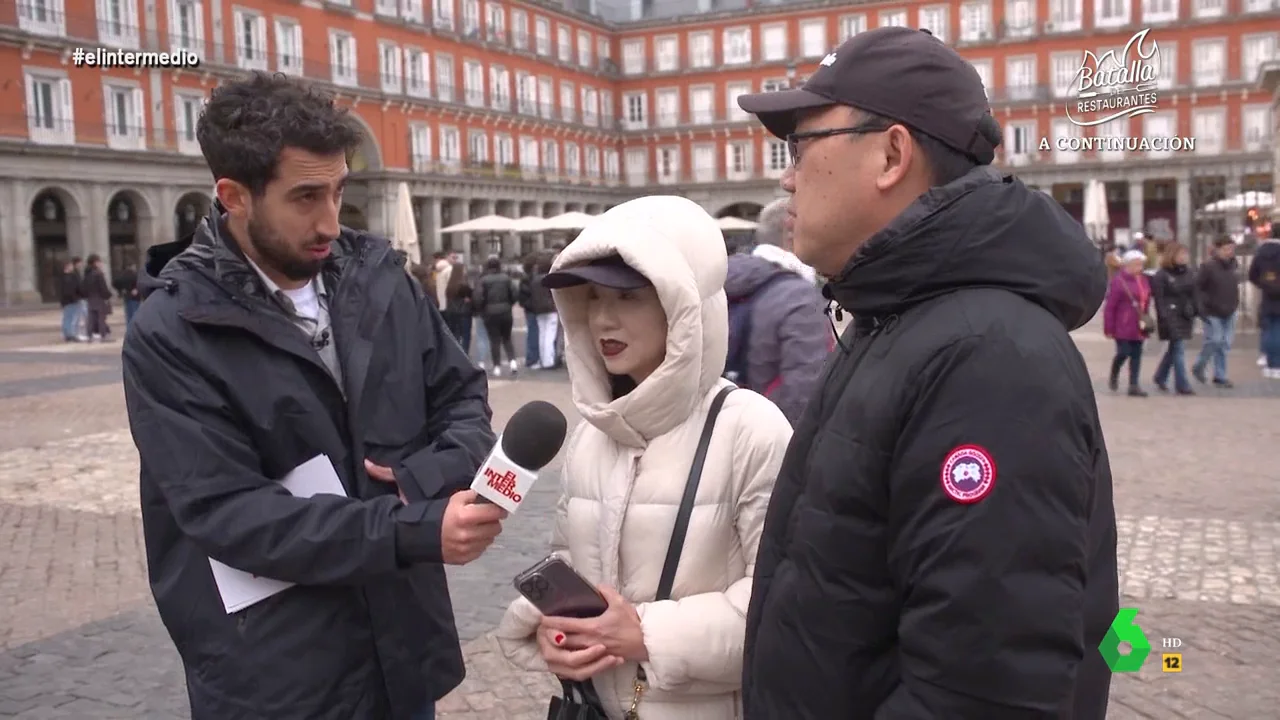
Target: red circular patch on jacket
pixel 968 474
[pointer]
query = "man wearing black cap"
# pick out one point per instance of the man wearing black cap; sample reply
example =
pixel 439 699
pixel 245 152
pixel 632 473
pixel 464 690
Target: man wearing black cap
pixel 941 541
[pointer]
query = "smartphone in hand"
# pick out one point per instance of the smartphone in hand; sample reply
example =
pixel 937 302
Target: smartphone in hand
pixel 557 590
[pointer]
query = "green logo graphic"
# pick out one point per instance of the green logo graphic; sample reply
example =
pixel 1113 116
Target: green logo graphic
pixel 1125 630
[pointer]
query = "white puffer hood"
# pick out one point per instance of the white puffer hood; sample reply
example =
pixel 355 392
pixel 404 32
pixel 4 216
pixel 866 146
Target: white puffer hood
pixel 679 247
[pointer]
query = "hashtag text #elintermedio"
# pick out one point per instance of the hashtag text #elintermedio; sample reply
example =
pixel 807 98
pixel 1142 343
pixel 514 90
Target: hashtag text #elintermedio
pixel 102 57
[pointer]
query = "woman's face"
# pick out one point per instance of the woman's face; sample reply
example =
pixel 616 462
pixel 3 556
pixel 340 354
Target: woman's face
pixel 1182 258
pixel 629 328
pixel 1134 267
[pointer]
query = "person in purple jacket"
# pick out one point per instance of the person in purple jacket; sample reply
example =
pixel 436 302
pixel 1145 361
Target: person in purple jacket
pixel 1128 302
pixel 787 334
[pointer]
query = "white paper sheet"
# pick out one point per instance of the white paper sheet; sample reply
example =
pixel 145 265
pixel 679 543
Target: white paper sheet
pixel 240 589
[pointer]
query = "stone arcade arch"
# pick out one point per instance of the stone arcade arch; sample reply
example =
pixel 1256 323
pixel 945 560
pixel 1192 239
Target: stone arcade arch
pixel 130 219
pixel 744 210
pixel 368 157
pixel 55 230
pixel 190 209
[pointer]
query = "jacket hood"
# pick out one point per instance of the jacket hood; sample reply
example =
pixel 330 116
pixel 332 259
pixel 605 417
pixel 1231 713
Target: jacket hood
pixel 675 244
pixel 987 230
pixel 749 272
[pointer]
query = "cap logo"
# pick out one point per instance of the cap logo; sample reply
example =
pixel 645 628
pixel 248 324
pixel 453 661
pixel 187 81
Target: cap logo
pixel 968 474
pixel 829 60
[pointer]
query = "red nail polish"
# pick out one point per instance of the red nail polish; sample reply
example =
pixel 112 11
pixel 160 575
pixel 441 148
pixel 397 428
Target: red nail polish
pixel 559 638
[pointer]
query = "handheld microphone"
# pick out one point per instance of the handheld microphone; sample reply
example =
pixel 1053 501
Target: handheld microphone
pixel 531 439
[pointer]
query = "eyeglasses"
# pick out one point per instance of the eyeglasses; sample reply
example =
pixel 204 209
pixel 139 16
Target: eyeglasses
pixel 866 128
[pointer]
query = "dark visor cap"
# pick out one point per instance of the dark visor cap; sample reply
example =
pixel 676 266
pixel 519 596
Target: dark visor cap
pixel 611 272
pixel 906 75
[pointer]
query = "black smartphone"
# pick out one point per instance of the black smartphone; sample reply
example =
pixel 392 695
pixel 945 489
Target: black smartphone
pixel 557 590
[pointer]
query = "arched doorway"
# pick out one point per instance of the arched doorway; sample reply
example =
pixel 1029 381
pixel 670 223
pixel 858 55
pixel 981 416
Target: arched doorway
pixel 352 217
pixel 190 210
pixel 127 224
pixel 50 212
pixel 744 210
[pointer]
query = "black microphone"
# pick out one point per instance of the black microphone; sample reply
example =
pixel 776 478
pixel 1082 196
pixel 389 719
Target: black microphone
pixel 531 440
pixel 320 343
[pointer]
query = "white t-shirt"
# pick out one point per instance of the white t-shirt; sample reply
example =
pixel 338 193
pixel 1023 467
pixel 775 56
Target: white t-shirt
pixel 306 303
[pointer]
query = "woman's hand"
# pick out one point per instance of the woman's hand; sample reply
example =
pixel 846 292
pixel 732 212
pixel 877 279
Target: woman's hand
pixel 618 630
pixel 570 664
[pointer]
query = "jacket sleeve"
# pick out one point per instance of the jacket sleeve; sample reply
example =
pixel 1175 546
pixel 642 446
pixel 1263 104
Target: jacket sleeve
pixel 191 446
pixel 804 341
pixel 459 420
pixel 992 591
pixel 695 643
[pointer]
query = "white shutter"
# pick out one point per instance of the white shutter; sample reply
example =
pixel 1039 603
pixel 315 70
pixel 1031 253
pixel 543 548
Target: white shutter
pixel 175 31
pixel 33 112
pixel 108 104
pixel 139 99
pixel 333 55
pixel 198 9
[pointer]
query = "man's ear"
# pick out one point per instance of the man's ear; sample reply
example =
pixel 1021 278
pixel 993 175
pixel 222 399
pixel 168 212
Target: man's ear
pixel 233 196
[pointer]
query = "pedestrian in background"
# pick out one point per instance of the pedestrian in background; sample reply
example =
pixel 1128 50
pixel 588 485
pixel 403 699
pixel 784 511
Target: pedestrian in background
pixel 1126 320
pixel 71 295
pixel 1264 273
pixel 126 286
pixel 1218 300
pixel 1173 289
pixel 543 308
pixel 97 295
pixel 525 301
pixel 495 300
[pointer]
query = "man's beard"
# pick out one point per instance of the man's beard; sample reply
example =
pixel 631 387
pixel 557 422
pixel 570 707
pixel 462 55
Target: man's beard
pixel 272 250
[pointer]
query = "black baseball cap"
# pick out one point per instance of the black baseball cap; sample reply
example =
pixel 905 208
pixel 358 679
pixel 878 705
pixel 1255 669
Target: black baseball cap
pixel 610 271
pixel 906 75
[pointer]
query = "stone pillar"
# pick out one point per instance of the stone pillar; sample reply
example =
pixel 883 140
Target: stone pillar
pixel 95 233
pixel 164 225
pixel 1136 197
pixel 481 208
pixel 380 208
pixel 20 265
pixel 1234 218
pixel 429 228
pixel 462 241
pixel 1184 213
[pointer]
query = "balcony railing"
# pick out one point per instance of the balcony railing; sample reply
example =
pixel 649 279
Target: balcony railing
pixel 114 136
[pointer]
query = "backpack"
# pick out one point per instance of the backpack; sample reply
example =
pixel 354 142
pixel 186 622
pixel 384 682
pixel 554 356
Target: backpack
pixel 740 313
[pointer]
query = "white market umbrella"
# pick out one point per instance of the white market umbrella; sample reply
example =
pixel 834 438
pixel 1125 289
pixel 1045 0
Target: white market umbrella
pixel 404 234
pixel 487 223
pixel 569 221
pixel 1241 201
pixel 736 223
pixel 531 223
pixel 1097 219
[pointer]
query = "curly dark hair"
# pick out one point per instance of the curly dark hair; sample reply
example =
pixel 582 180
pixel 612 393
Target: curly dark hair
pixel 247 123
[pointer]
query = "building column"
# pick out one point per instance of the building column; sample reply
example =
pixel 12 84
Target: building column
pixel 20 266
pixel 95 235
pixel 380 208
pixel 483 207
pixel 1184 212
pixel 461 241
pixel 429 230
pixel 1234 218
pixel 1137 194
pixel 163 225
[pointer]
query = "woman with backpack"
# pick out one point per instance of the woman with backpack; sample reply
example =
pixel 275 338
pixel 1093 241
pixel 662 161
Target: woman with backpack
pixel 641 298
pixel 495 298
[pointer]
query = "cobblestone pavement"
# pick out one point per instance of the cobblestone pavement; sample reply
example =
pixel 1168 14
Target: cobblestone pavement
pixel 1199 545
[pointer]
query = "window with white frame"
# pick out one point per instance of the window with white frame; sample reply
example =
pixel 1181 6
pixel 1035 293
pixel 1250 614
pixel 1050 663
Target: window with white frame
pixel 666 51
pixel 633 56
pixel 934 19
pixel 668 106
pixel 604 49
pixel 1159 11
pixel 1208 62
pixel 637 166
pixel 701 50
pixel 542 35
pixel 773 41
pixel 590 106
pixel 1167 73
pixel 251 40
pixel 495 23
pixel 504 151
pixel 704 163
pixel 1209 128
pixel 529 154
pixel 1110 13
pixel 450 147
pixel 1255 51
pixel 572 161
pixel 499 88
pixel 851 25
pixel 737 46
pixel 584 48
pixel 776 157
pixel 1256 127
pixel 1021 144
pixel 593 161
pixel 550 156
pixel 1111 137
pixel 442 14
pixel 975 21
pixel 1208 8
pixel 702 103
pixel 417 73
pixel 1020 77
pixel 186 114
pixel 386 8
pixel 520 29
pixel 635 107
pixel 606 108
pixel 50 120
pixel 342 58
pixel 526 93
pixel 186 25
pixel 477 147
pixel 118 23
pixel 1159 125
pixel 564 43
pixel 546 98
pixel 1258 6
pixel 612 165
pixel 420 147
pixel 390 67
pixel 411 10
pixel 125 115
pixel 473 83
pixel 44 17
pixel 984 69
pixel 737 160
pixel 1064 67
pixel 773 85
pixel 813 38
pixel 568 103
pixel 1065 16
pixel 893 18
pixel 471 18
pixel 1065 133
pixel 288 46
pixel 667 161
pixel 446 81
pixel 1020 18
pixel 732 91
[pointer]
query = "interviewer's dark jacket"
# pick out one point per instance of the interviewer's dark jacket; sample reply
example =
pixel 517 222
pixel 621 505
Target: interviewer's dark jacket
pixel 877 595
pixel 224 395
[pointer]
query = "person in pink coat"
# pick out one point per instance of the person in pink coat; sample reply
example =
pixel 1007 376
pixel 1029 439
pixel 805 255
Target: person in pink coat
pixel 1128 304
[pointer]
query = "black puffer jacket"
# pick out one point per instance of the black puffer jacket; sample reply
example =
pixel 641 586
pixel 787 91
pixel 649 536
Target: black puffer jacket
pixel 224 395
pixel 1174 290
pixel 898 575
pixel 495 294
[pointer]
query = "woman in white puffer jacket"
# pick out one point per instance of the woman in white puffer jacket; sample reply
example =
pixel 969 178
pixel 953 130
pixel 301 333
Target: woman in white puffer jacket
pixel 640 294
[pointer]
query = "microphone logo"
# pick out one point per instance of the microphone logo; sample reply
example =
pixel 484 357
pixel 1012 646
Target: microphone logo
pixel 504 483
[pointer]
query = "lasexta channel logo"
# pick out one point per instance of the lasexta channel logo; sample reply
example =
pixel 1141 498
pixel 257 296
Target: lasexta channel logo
pixel 1124 629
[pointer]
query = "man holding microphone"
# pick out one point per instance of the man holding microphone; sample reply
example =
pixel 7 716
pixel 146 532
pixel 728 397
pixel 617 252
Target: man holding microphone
pixel 307 424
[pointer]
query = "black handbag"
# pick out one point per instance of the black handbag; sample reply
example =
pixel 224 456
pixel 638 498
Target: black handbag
pixel 580 701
